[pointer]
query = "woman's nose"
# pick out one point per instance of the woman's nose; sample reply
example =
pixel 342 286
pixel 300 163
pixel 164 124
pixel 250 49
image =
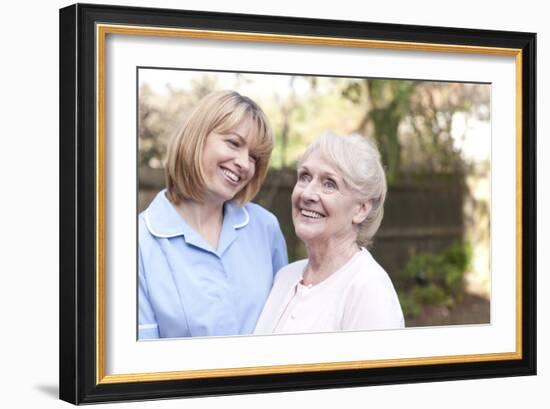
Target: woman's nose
pixel 310 192
pixel 242 160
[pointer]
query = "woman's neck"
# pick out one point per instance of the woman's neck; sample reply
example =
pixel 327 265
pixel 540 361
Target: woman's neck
pixel 205 218
pixel 325 258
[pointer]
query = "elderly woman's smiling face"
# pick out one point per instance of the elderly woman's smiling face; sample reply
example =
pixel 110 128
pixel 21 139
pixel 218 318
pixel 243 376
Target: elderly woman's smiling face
pixel 324 208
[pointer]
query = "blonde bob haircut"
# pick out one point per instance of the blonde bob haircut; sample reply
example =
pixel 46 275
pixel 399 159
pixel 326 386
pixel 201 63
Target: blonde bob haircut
pixel 358 161
pixel 219 112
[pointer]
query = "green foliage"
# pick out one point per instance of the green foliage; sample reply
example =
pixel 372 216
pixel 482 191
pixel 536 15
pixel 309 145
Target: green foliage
pixel 434 278
pixel 385 104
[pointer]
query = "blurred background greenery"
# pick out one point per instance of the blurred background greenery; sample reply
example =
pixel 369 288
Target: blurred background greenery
pixel 435 141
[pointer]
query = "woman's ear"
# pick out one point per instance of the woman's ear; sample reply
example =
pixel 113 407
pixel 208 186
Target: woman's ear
pixel 362 212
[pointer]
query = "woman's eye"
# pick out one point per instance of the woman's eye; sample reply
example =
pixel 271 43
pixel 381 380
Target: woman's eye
pixel 252 158
pixel 232 143
pixel 330 185
pixel 304 177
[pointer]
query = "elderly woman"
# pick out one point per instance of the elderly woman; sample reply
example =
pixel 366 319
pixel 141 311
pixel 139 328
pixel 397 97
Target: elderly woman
pixel 337 207
pixel 207 257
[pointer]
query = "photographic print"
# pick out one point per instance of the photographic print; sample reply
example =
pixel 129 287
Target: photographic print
pixel 434 141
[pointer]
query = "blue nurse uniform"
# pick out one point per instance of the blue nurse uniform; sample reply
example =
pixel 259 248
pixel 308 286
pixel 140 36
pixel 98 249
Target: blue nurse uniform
pixel 189 289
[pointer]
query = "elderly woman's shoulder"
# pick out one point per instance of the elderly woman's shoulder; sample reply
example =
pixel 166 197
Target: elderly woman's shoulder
pixel 291 272
pixel 368 271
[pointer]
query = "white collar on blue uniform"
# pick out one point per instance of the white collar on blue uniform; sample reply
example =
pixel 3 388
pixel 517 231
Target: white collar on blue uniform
pixel 163 221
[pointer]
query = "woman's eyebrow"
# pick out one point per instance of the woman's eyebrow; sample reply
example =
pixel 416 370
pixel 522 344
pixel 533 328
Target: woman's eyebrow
pixel 331 175
pixel 322 173
pixel 242 138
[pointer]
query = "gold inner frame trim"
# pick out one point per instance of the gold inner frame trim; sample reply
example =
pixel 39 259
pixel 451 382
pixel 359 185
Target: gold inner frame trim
pixel 284 369
pixel 302 40
pixel 101 33
pixel 519 204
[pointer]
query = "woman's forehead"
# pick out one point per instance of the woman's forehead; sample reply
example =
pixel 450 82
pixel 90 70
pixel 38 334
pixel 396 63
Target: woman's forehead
pixel 245 130
pixel 318 162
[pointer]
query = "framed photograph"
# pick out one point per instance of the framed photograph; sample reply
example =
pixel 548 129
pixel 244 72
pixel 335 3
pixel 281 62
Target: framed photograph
pixel 209 163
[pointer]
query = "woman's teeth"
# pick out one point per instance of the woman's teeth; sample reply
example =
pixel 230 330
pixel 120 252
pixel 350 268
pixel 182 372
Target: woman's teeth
pixel 312 214
pixel 232 176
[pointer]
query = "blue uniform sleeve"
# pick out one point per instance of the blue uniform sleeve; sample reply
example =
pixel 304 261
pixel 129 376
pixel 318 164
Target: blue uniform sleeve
pixel 147 325
pixel 279 255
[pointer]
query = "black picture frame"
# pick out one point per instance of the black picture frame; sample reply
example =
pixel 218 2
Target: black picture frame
pixel 80 359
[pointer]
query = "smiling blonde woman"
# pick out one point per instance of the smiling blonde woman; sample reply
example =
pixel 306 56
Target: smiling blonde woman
pixel 337 207
pixel 207 257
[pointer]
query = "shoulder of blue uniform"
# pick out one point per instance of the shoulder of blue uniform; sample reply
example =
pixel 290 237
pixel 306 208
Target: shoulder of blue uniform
pixel 142 225
pixel 258 214
pixel 145 238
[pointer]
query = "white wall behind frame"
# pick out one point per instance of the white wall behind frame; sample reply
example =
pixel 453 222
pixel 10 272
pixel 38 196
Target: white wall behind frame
pixel 29 175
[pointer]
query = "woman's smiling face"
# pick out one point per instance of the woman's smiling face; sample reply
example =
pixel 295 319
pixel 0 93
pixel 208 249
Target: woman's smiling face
pixel 323 206
pixel 228 162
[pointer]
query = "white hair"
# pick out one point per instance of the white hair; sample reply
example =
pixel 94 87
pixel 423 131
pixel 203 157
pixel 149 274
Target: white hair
pixel 358 160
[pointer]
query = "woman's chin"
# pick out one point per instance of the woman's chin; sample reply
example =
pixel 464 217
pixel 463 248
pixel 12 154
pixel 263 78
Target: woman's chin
pixel 307 234
pixel 224 191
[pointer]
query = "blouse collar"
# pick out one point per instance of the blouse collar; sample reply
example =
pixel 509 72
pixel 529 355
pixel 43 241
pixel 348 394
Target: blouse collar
pixel 163 221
